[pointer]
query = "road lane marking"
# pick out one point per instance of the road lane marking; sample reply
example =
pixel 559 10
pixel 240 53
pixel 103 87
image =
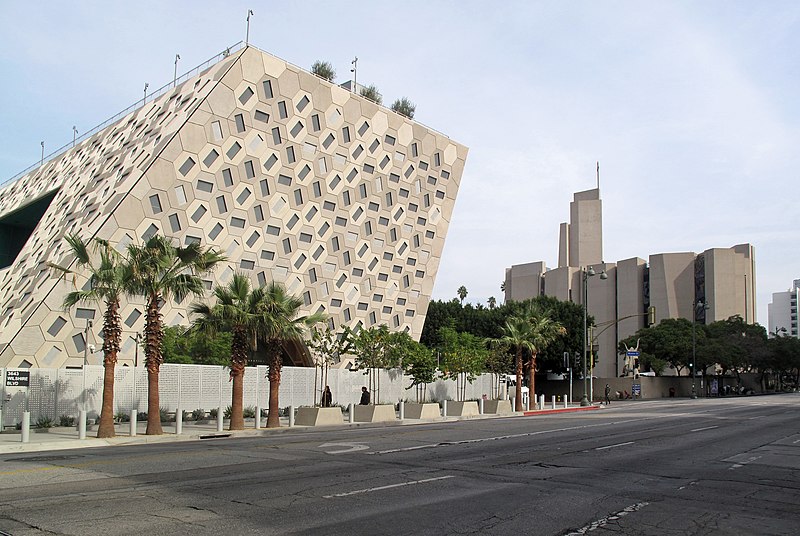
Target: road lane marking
pixel 390 486
pixel 614 446
pixel 600 523
pixel 742 464
pixel 495 438
pixel 348 447
pixel 706 428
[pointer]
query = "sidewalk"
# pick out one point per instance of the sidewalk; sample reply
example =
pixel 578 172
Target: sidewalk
pixel 63 438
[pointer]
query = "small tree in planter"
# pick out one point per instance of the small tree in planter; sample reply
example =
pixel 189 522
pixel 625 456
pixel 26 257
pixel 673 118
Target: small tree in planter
pixel 371 92
pixel 329 346
pixel 498 361
pixel 464 356
pixel 404 107
pixel 369 347
pixel 324 70
pixel 420 364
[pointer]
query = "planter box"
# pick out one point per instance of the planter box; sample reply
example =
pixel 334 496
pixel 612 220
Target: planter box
pixel 422 411
pixel 318 416
pixel 497 407
pixel 377 413
pixel 462 409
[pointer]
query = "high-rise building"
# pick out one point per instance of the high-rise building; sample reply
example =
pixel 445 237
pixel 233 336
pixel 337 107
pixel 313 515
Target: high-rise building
pixel 293 178
pixel 783 312
pixel 674 283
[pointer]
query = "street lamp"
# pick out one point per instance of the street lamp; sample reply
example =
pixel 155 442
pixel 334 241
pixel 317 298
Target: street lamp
pixel 354 70
pixel 587 273
pixel 138 341
pixel 697 305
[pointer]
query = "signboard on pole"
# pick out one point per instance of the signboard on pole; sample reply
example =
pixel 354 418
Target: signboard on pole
pixel 18 378
pixel 632 353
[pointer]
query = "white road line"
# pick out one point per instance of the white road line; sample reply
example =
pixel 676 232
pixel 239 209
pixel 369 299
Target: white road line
pixel 495 438
pixel 380 488
pixel 738 465
pixel 617 445
pixel 706 428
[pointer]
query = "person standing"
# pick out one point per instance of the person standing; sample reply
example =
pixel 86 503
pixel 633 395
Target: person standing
pixel 608 394
pixel 327 397
pixel 364 397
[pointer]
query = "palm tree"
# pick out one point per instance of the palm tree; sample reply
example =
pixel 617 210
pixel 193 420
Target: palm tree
pixel 281 325
pixel 237 310
pixel 324 70
pixel 462 293
pixel 492 302
pixel 516 336
pixel 503 286
pixel 158 270
pixel 106 285
pixel 543 331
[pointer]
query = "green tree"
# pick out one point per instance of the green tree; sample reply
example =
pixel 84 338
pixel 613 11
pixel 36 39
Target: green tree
pixel 419 363
pixel 329 346
pixel 404 107
pixel 543 332
pixel 463 358
pixel 670 341
pixel 492 302
pixel 371 92
pixel 238 310
pixel 517 336
pixel 159 270
pixel 191 347
pixel 370 348
pixel 462 293
pixel 107 284
pixel 324 70
pixel 282 325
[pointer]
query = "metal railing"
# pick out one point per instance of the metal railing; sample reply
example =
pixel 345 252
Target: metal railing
pixel 138 104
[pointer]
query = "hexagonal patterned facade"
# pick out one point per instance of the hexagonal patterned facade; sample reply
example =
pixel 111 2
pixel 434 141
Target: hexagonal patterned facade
pixel 295 179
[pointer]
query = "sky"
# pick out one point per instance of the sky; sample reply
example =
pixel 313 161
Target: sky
pixel 691 108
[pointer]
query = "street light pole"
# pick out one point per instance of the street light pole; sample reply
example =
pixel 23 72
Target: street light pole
pixel 698 304
pixel 586 273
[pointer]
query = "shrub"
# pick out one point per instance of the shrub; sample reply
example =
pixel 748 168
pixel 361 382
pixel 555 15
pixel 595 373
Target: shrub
pixel 66 420
pixel 122 416
pixel 141 416
pixel 44 422
pixel 324 70
pixel 213 413
pixel 165 415
pixel 404 107
pixel 371 92
pixel 249 412
pixel 199 414
pixel 227 413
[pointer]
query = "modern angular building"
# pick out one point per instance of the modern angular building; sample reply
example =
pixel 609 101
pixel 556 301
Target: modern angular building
pixel 721 278
pixel 783 311
pixel 294 178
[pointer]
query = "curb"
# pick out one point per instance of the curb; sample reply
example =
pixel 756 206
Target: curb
pixel 560 410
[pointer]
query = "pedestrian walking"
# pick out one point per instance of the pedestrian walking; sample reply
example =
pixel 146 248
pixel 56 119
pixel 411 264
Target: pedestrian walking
pixel 608 394
pixel 364 397
pixel 327 397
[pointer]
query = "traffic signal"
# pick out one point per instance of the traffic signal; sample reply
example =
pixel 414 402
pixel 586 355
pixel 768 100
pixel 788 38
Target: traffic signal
pixel 577 360
pixel 651 315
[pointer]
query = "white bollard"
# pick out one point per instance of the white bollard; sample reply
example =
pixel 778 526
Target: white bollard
pixel 352 417
pixel 178 421
pixel 291 416
pixel 402 409
pixel 26 426
pixel 82 424
pixel 480 406
pixel 553 400
pixel 566 402
pixel 444 408
pixel 220 417
pixel 541 401
pixel 258 417
pixel 134 416
pixel 514 404
pixel 529 402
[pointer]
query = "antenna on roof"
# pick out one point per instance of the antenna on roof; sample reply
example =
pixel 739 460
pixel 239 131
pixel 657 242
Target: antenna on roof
pixel 42 162
pixel 598 174
pixel 175 75
pixel 247 36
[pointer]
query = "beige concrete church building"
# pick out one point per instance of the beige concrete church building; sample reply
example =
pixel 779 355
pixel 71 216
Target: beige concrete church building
pixel 294 178
pixel 718 283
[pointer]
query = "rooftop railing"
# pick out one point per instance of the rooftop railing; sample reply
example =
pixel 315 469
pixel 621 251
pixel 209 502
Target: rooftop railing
pixel 138 104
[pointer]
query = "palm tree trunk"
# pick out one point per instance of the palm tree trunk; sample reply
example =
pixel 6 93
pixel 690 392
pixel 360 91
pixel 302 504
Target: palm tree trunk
pixel 106 427
pixel 274 374
pixel 532 378
pixel 518 390
pixel 153 409
pixel 237 417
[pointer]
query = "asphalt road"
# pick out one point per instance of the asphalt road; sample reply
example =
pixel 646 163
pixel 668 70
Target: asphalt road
pixel 727 466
